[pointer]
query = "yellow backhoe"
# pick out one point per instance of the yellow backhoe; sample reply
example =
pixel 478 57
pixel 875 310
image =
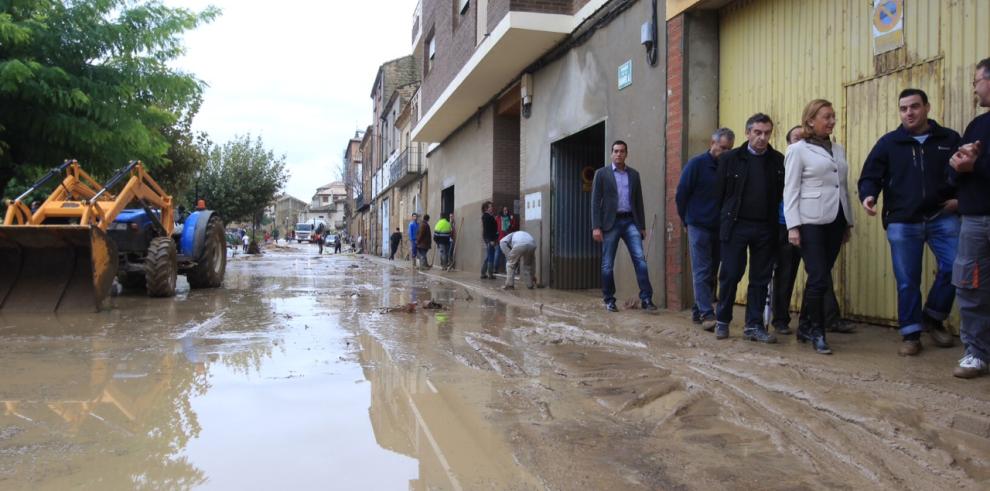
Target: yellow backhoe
pixel 63 255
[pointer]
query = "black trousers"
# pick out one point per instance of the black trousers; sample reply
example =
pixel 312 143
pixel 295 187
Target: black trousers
pixel 785 270
pixel 820 245
pixel 758 239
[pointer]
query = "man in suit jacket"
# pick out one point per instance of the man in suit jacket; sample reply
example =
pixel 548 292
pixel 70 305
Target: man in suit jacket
pixel 617 212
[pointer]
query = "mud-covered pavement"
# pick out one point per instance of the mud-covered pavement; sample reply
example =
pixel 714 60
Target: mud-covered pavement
pixel 296 376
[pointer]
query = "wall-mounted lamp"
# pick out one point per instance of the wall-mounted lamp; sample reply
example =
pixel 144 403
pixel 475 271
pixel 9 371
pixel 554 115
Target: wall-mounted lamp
pixel 648 37
pixel 526 92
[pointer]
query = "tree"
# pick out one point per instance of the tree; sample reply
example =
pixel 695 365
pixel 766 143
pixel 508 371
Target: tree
pixel 241 178
pixel 89 79
pixel 185 157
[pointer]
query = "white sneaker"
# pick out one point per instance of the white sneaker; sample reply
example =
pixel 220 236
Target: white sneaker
pixel 971 367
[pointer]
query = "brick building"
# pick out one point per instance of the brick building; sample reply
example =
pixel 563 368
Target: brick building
pixel 519 102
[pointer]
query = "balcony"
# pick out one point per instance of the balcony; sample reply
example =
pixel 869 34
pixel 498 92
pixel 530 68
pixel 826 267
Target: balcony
pixel 359 203
pixel 407 167
pixel 518 40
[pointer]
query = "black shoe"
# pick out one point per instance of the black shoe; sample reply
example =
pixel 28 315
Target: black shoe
pixel 842 327
pixel 941 336
pixel 783 329
pixel 649 306
pixel 819 343
pixel 759 334
pixel 696 318
pixel 721 330
pixel 610 306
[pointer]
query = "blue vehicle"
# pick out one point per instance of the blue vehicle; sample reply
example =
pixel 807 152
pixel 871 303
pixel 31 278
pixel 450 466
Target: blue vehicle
pixel 197 249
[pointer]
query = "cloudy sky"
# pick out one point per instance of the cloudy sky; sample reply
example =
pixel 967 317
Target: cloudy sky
pixel 296 72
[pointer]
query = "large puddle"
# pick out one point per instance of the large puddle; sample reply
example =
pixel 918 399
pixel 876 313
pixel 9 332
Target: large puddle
pixel 267 383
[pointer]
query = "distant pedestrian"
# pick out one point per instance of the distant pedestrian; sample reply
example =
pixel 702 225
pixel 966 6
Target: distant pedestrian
pixel 519 248
pixel 698 208
pixel 506 223
pixel 489 239
pixel 441 235
pixel 617 213
pixel 910 166
pixel 453 241
pixel 423 242
pixel 413 229
pixel 816 208
pixel 394 241
pixel 336 244
pixel 245 241
pixel 971 271
pixel 275 235
pixel 750 187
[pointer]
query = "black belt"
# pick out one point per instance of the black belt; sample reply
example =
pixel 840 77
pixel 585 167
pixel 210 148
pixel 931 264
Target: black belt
pixel 625 214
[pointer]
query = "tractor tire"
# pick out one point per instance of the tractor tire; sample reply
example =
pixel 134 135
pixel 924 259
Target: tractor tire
pixel 131 281
pixel 209 271
pixel 160 267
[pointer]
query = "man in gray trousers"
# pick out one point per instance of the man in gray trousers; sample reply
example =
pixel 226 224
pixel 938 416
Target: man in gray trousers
pixel 519 248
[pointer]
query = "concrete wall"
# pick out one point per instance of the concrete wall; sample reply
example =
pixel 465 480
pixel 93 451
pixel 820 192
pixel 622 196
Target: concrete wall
pixel 465 161
pixel 580 90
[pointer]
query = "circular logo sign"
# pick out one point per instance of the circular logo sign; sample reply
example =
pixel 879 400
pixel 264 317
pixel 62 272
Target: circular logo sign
pixel 887 15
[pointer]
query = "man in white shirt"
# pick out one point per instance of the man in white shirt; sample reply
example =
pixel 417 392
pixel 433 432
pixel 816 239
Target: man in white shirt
pixel 520 248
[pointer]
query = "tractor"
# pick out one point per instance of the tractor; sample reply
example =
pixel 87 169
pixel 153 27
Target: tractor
pixel 64 255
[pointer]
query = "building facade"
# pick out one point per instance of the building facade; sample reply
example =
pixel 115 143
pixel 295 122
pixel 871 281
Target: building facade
pixel 520 109
pixel 842 50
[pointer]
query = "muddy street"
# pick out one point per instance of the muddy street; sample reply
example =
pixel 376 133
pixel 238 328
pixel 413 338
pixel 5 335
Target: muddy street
pixel 316 372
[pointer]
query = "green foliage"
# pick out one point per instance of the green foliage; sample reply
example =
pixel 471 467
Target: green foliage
pixel 89 79
pixel 241 178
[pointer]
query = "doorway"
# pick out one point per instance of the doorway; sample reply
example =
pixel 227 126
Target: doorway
pixel 575 258
pixel 446 201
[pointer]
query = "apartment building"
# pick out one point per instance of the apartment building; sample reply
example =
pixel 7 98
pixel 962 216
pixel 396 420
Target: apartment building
pixel 520 101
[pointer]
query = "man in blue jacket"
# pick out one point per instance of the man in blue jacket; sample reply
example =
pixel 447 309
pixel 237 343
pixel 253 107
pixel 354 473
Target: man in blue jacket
pixel 971 271
pixel 698 207
pixel 413 230
pixel 910 166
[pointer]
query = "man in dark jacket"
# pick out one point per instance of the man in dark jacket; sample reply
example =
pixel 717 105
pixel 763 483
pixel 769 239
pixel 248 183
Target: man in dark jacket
pixel 750 189
pixel 910 166
pixel 697 206
pixel 424 239
pixel 393 242
pixel 617 212
pixel 489 236
pixel 971 271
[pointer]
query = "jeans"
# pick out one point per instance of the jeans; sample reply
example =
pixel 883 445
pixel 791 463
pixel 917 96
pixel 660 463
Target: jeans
pixel 422 254
pixel 488 263
pixel 624 228
pixel 500 258
pixel 907 243
pixel 443 250
pixel 971 276
pixel 820 245
pixel 704 245
pixel 394 247
pixel 758 238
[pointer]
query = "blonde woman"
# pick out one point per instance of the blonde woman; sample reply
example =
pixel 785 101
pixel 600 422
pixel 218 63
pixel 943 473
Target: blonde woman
pixel 817 211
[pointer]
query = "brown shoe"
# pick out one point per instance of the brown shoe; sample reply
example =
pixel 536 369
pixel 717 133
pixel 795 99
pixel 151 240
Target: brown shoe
pixel 941 336
pixel 910 347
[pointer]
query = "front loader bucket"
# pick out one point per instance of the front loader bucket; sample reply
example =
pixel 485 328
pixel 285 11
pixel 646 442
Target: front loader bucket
pixel 55 268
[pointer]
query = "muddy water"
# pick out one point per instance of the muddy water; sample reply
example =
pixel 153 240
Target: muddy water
pixel 294 376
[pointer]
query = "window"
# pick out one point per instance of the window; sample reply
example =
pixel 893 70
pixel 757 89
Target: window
pixel 462 6
pixel 431 51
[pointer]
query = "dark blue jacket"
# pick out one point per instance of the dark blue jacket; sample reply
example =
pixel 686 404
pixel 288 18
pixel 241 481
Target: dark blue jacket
pixel 915 178
pixel 974 187
pixel 697 203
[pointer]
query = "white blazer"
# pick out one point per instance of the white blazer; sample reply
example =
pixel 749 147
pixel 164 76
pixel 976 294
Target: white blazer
pixel 815 184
